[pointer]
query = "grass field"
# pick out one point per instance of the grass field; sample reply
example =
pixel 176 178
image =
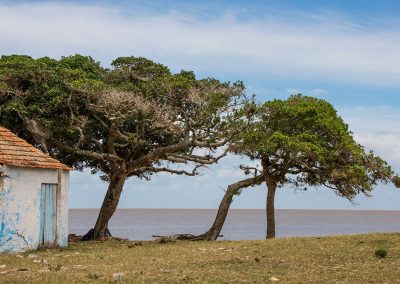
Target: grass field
pixel 342 259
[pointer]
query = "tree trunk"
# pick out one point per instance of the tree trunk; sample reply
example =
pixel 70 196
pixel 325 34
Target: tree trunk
pixel 233 189
pixel 110 203
pixel 213 233
pixel 271 209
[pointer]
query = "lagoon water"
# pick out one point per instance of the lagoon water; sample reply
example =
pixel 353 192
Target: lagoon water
pixel 241 224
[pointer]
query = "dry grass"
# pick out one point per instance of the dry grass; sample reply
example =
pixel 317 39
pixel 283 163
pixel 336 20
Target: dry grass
pixel 343 259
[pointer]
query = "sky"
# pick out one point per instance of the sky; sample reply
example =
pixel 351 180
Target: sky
pixel 346 52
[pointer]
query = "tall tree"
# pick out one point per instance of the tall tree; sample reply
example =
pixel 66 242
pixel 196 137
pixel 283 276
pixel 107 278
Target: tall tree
pixel 135 119
pixel 302 141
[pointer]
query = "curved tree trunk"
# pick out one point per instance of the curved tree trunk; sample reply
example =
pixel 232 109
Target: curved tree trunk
pixel 110 203
pixel 271 209
pixel 213 233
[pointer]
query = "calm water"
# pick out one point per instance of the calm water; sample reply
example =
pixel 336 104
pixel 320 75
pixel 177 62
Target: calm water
pixel 141 224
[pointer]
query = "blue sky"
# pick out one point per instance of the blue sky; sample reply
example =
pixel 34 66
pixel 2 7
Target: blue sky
pixel 347 52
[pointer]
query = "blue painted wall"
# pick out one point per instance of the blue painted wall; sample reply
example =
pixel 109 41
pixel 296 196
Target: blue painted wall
pixel 20 208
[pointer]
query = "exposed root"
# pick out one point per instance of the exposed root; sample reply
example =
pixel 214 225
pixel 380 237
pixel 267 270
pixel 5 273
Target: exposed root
pixel 89 237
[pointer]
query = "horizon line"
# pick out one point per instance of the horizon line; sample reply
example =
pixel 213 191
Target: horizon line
pixel 289 209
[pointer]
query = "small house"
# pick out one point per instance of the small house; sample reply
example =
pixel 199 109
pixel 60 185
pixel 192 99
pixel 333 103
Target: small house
pixel 33 196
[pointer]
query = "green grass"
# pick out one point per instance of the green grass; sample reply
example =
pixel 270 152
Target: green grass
pixel 342 259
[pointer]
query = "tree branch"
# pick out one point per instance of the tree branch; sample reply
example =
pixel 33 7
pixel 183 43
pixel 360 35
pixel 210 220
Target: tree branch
pixel 158 154
pixel 88 154
pixel 204 160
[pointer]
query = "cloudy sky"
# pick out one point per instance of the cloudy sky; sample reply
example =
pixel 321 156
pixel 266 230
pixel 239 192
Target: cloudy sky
pixel 347 52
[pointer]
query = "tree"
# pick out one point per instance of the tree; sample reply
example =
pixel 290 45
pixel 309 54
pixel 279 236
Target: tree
pixel 302 141
pixel 133 120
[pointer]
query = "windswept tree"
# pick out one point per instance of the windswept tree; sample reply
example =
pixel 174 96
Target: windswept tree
pixel 303 142
pixel 133 120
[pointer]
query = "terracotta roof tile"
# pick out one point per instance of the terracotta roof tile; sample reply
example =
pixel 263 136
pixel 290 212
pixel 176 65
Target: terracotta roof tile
pixel 15 151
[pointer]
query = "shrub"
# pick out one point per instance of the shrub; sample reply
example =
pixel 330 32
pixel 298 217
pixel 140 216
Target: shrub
pixel 381 253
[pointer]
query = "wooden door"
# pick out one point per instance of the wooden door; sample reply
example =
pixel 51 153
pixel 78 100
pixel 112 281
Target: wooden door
pixel 48 213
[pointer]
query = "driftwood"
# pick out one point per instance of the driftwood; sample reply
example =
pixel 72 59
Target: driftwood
pixel 186 237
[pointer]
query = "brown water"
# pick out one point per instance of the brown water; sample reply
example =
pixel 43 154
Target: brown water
pixel 241 224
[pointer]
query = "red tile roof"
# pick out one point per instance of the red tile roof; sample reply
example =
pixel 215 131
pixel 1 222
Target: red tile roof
pixel 15 151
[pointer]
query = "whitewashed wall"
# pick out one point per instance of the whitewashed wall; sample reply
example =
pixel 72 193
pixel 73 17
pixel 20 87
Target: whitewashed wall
pixel 20 207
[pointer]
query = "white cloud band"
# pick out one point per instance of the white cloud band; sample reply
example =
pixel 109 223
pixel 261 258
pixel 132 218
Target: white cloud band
pixel 313 46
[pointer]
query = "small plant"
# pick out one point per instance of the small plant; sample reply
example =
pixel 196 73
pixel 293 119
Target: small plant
pixel 381 253
pixel 93 276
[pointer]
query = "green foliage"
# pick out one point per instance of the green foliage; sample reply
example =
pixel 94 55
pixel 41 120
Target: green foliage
pixel 396 181
pixel 381 253
pixel 74 108
pixel 303 141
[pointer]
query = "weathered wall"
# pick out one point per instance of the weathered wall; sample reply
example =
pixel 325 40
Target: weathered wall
pixel 20 207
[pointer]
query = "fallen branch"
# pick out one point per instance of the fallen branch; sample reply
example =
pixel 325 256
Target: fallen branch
pixel 185 237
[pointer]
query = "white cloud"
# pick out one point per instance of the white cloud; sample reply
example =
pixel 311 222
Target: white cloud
pixel 385 144
pixel 373 119
pixel 293 91
pixel 317 92
pixel 313 92
pixel 377 128
pixel 304 45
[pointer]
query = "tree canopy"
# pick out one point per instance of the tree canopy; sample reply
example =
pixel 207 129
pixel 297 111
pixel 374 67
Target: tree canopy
pixel 134 119
pixel 302 141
